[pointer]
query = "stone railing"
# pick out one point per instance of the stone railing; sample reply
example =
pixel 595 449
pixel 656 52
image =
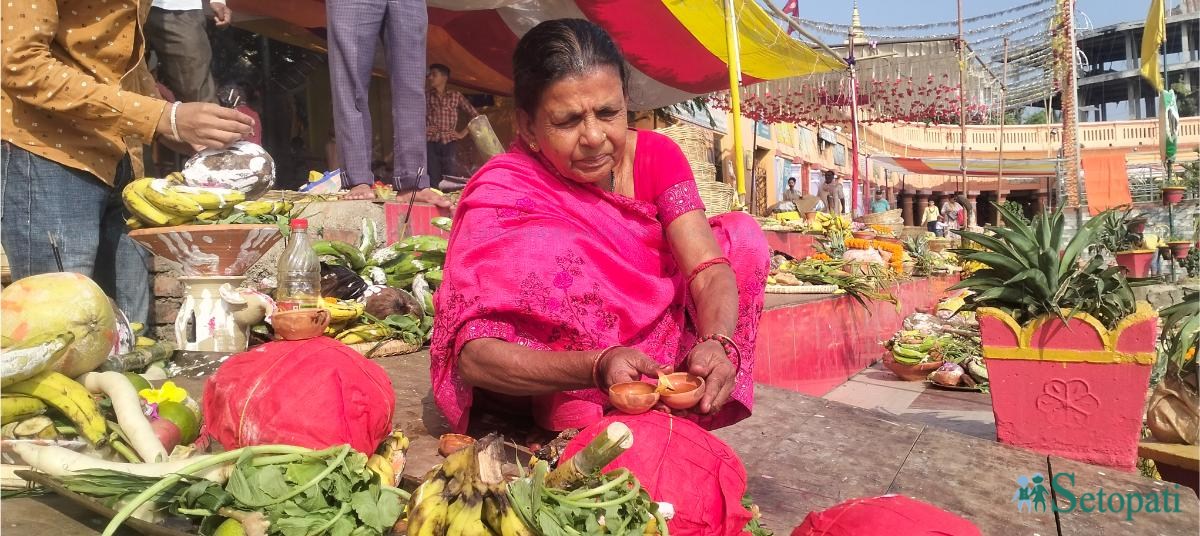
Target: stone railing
pixel 895 137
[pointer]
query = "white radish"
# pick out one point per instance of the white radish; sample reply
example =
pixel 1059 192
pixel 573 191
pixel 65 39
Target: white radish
pixel 58 461
pixel 128 407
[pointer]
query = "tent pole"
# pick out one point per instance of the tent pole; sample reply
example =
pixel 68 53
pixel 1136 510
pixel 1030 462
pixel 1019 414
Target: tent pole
pixel 735 96
pixel 962 110
pixel 1003 115
pixel 855 180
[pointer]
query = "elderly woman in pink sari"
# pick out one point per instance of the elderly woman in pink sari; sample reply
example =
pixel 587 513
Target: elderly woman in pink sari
pixel 582 257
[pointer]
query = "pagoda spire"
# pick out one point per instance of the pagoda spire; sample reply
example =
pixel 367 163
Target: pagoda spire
pixel 856 26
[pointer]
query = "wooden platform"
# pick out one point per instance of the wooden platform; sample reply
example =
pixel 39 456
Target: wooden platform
pixel 801 454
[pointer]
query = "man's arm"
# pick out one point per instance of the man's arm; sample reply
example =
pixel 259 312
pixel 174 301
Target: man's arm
pixel 35 77
pixel 222 15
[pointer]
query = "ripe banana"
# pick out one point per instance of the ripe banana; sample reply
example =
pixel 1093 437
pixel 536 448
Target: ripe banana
pixel 428 506
pixel 212 215
pixel 262 207
pixel 15 408
pixel 167 198
pixel 136 202
pixel 69 398
pixel 469 520
pixel 341 312
pixel 32 356
pixel 210 198
pixel 382 468
pixel 133 223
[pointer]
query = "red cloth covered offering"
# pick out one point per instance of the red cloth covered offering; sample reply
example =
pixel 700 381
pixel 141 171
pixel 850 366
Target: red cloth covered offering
pixel 679 462
pixel 313 393
pixel 887 515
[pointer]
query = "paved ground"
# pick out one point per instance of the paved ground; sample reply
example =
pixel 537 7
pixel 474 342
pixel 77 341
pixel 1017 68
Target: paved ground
pixel 802 454
pixel 876 388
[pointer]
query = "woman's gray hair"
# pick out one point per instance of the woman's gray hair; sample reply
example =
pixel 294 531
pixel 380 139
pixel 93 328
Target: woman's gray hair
pixel 556 49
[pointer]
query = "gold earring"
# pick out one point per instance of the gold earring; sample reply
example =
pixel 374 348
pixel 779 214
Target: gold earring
pixel 533 146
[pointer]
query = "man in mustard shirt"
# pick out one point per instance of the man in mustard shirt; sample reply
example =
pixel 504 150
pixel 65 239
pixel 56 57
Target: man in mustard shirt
pixel 77 104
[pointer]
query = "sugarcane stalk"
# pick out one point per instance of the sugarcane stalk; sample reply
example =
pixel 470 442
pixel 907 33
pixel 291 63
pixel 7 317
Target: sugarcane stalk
pixel 602 450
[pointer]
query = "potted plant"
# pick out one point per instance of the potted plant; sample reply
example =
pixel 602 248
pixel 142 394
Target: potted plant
pixel 1172 413
pixel 1068 348
pixel 1172 192
pixel 1136 225
pixel 1179 247
pixel 1115 234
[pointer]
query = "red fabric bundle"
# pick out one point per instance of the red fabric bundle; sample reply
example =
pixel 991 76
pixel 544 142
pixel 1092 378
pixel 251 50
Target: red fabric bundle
pixel 679 462
pixel 888 515
pixel 314 393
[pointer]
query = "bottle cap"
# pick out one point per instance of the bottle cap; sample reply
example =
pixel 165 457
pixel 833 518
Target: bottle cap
pixel 298 224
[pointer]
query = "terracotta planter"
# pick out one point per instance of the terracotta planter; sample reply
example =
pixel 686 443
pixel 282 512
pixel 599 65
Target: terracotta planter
pixel 1136 263
pixel 1075 390
pixel 1136 226
pixel 210 249
pixel 910 373
pixel 1179 248
pixel 1172 194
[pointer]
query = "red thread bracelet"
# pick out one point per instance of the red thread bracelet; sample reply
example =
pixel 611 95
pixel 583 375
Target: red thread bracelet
pixel 704 266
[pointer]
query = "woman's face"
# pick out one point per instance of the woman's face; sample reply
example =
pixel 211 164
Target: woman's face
pixel 580 125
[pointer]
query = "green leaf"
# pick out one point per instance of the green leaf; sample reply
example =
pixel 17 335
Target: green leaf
pixel 366 507
pixel 997 261
pixel 297 526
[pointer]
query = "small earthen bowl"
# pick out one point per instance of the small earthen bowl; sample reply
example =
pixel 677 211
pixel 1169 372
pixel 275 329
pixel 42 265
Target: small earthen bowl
pixel 633 397
pixel 687 393
pixel 450 443
pixel 300 324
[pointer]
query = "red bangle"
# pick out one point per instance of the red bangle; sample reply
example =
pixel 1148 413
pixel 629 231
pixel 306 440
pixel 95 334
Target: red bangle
pixel 730 347
pixel 704 266
pixel 596 365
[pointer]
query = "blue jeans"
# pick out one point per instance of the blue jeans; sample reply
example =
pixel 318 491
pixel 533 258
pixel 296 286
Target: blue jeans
pixel 86 217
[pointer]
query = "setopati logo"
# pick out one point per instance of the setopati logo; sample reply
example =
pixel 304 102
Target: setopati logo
pixel 1036 494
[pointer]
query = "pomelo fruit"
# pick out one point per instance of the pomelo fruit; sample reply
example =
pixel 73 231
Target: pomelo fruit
pixel 58 302
pixel 183 418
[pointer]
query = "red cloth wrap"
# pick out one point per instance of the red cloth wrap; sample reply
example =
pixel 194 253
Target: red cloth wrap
pixel 314 393
pixel 678 462
pixel 888 515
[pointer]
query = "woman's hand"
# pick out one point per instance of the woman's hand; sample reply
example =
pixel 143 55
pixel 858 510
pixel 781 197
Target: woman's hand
pixel 626 365
pixel 205 125
pixel 708 360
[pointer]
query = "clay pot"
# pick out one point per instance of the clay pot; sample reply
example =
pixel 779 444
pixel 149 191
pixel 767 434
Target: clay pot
pixel 300 324
pixel 687 392
pixel 210 249
pixel 632 397
pixel 450 443
pixel 1179 248
pixel 910 373
pixel 1172 194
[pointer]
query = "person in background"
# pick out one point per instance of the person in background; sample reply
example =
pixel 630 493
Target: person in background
pixel 952 210
pixel 441 118
pixel 939 226
pixel 880 204
pixel 75 117
pixel 789 199
pixel 929 217
pixel 177 32
pixel 232 96
pixel 831 194
pixel 354 28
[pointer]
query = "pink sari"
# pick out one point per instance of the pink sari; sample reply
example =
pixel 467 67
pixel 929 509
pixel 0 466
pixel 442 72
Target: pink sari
pixel 542 261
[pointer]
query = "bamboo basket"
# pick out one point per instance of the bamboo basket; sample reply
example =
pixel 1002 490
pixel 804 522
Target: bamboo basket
pixel 695 143
pixel 886 217
pixel 718 197
pixel 385 348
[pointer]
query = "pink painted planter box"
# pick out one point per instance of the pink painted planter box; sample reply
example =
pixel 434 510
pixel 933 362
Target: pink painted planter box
pixel 1075 390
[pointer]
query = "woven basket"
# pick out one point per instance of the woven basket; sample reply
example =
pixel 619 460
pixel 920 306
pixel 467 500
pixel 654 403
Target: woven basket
pixel 703 171
pixel 885 217
pixel 801 289
pixel 695 143
pixel 718 197
pixel 390 347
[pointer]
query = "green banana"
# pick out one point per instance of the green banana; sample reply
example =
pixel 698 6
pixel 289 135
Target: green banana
pixel 441 222
pixel 352 256
pixel 368 238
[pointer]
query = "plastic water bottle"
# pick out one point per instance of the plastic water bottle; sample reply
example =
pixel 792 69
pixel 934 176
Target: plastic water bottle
pixel 299 272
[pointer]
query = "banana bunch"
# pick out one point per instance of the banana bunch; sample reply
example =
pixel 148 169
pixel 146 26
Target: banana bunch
pixel 454 501
pixel 824 221
pixel 364 333
pixel 68 397
pixel 342 313
pixel 262 207
pixel 164 202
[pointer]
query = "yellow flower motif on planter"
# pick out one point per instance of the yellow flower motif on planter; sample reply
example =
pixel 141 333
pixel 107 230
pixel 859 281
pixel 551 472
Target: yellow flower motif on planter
pixel 169 392
pixel 1191 353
